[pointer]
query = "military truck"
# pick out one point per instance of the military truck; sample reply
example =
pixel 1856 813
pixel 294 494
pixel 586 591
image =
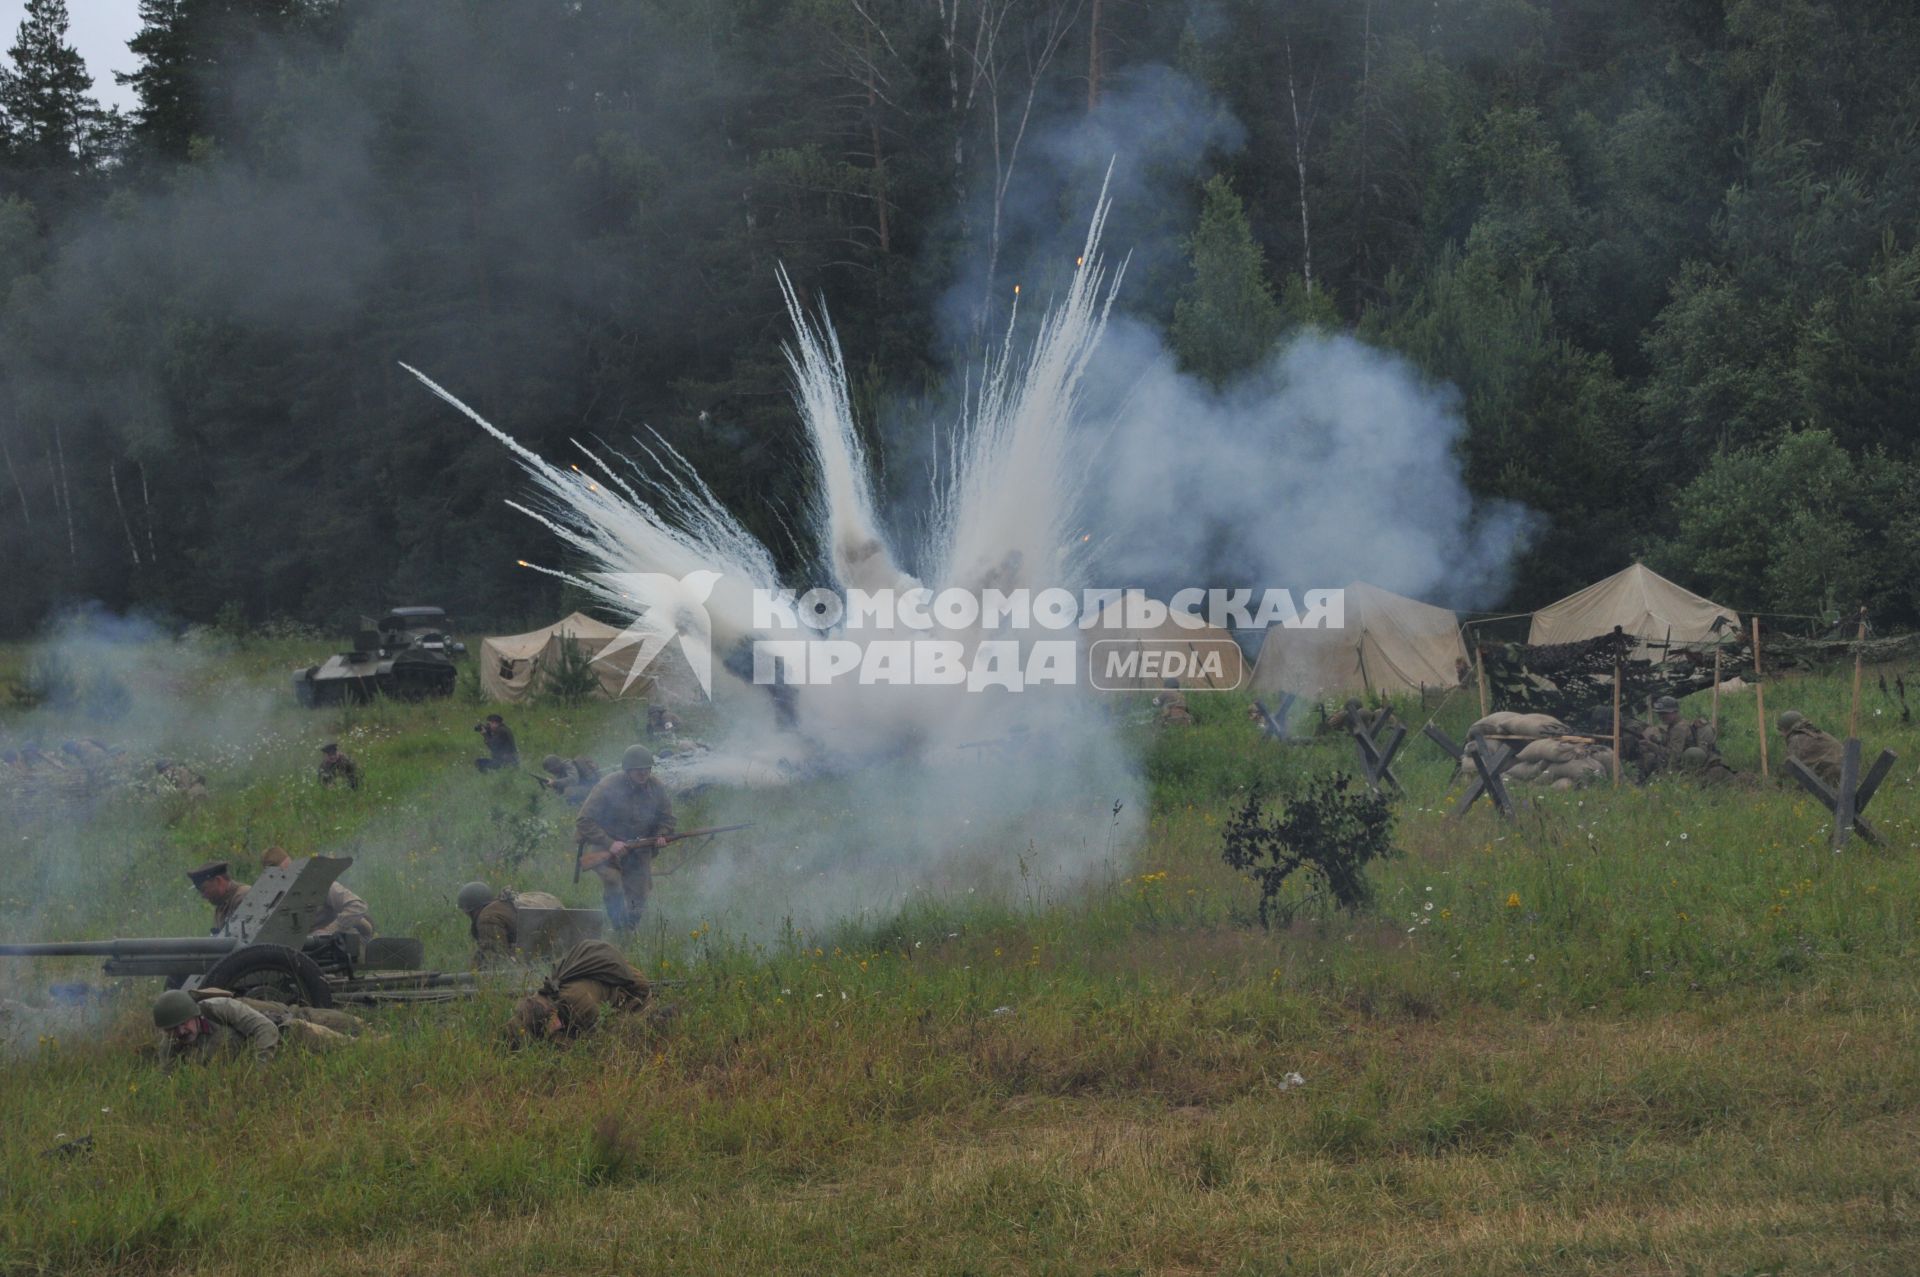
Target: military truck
pixel 407 654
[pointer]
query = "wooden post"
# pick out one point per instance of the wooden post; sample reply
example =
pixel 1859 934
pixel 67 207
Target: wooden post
pixel 1859 649
pixel 1759 698
pixel 1480 674
pixel 1617 676
pixel 1714 722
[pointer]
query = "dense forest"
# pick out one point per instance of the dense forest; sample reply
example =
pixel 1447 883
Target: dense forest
pixel 1667 252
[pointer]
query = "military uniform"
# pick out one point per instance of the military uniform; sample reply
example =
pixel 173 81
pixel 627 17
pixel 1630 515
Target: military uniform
pixel 619 810
pixel 339 766
pixel 496 929
pixel 225 907
pixel 1172 705
pixel 343 914
pixel 502 753
pixel 236 1028
pixel 1684 745
pixel 591 978
pixel 1818 752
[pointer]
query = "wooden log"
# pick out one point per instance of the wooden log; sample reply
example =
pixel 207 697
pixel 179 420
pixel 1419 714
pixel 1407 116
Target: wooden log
pixel 1616 722
pixel 1845 808
pixel 1480 673
pixel 1714 721
pixel 1859 642
pixel 1760 699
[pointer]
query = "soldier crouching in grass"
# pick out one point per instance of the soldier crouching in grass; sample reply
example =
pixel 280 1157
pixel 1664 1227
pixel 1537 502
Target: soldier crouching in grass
pixel 593 977
pixel 210 1024
pixel 499 933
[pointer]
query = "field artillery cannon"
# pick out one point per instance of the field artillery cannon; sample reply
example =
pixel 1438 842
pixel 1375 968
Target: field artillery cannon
pixel 264 951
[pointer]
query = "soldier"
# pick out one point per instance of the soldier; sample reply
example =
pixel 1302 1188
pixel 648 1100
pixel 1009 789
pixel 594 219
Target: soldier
pixel 592 976
pixel 502 753
pixel 625 822
pixel 1667 741
pixel 1818 752
pixel 209 1023
pixel 335 765
pixel 562 778
pixel 343 914
pixel 1172 704
pixel 181 777
pixel 217 887
pixel 494 921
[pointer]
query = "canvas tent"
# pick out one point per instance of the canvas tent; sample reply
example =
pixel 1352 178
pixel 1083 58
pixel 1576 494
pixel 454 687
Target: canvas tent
pixel 513 668
pixel 1206 648
pixel 1639 601
pixel 1389 643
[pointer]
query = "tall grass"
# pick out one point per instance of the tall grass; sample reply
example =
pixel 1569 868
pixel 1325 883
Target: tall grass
pixel 1646 1030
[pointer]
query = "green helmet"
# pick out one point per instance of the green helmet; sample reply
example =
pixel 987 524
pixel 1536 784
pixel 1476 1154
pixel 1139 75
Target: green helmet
pixel 474 896
pixel 173 1009
pixel 1666 705
pixel 1693 756
pixel 638 758
pixel 1789 719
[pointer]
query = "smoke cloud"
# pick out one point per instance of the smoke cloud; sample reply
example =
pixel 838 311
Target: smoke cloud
pixel 1334 462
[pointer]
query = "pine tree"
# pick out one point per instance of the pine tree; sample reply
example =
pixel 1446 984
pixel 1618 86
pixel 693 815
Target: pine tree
pixel 49 117
pixel 1227 319
pixel 169 106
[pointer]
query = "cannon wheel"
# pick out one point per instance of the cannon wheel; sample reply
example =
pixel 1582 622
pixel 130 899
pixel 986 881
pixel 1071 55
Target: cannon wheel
pixel 271 973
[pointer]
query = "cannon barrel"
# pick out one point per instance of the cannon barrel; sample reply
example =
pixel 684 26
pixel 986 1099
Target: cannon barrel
pixel 172 947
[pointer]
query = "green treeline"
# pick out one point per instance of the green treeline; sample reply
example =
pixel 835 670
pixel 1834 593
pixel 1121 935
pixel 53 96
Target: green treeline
pixel 1668 251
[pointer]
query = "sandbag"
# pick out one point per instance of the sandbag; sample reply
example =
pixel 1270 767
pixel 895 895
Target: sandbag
pixel 1532 726
pixel 1548 752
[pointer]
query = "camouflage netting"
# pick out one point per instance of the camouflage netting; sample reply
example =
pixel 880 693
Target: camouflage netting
pixel 1781 652
pixel 1575 680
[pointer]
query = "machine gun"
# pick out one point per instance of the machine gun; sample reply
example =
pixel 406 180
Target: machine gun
pixel 264 950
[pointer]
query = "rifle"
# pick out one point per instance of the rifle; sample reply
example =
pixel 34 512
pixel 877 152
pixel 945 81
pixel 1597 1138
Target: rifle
pixel 593 860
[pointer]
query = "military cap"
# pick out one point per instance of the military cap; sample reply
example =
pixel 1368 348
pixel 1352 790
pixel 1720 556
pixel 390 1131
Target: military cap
pixel 1666 705
pixel 495 718
pixel 212 869
pixel 331 747
pixel 638 758
pixel 473 896
pixel 553 762
pixel 1789 719
pixel 173 1009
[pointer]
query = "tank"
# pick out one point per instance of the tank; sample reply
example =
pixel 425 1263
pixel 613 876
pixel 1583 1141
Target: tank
pixel 407 654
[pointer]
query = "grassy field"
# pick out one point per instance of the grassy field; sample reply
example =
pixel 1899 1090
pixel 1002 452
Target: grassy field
pixel 1639 1031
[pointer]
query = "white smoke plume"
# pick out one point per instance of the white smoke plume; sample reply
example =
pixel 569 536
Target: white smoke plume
pixel 1332 462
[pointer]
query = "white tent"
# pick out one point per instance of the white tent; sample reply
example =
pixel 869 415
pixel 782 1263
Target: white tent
pixel 1639 601
pixel 514 667
pixel 1389 643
